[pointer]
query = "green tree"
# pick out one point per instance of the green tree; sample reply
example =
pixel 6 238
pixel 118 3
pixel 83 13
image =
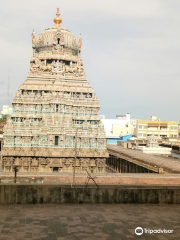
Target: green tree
pixel 2 123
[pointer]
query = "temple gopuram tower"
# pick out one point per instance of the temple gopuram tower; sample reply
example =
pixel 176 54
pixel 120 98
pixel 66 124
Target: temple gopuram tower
pixel 54 108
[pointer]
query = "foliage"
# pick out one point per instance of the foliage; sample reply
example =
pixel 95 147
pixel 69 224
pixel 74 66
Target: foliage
pixel 2 122
pixel 3 119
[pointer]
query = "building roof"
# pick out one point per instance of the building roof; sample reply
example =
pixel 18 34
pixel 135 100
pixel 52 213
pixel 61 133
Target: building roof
pixel 112 137
pixel 119 136
pixel 158 122
pixel 170 165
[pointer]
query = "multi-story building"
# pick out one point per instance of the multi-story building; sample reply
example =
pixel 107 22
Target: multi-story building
pixel 117 127
pixel 162 129
pixel 134 123
pixel 6 110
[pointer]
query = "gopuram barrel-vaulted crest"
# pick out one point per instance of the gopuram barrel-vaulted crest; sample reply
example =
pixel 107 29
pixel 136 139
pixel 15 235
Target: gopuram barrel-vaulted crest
pixel 52 104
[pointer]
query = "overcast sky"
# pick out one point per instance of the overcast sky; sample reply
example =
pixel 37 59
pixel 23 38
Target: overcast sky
pixel 131 50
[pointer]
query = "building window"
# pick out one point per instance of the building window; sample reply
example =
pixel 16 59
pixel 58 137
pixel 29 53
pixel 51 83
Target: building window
pixel 163 136
pixel 152 128
pixel 48 61
pixel 163 128
pixel 142 126
pixel 174 128
pixel 154 135
pixel 56 140
pixel 173 136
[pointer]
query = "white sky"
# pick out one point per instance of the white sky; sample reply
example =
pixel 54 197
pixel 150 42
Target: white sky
pixel 131 50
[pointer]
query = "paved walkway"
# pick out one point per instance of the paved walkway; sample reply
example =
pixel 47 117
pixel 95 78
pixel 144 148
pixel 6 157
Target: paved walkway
pixel 103 178
pixel 87 222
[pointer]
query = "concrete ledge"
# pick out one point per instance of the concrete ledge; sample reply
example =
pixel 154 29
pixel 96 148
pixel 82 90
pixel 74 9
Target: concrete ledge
pixel 107 178
pixel 54 193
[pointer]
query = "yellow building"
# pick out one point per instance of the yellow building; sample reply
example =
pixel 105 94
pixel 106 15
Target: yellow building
pixel 146 128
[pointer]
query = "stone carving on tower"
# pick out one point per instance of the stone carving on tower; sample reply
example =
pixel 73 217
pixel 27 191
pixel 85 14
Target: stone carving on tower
pixel 50 105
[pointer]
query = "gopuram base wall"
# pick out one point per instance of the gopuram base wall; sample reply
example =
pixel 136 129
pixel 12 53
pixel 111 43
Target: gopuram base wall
pixel 58 160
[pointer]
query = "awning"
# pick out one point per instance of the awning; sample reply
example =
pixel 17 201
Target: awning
pixel 153 124
pixel 163 125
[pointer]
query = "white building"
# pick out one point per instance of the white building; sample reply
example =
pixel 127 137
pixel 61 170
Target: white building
pixel 117 127
pixel 6 110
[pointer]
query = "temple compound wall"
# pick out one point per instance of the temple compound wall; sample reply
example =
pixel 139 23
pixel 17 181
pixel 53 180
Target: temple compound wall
pixel 56 194
pixel 54 110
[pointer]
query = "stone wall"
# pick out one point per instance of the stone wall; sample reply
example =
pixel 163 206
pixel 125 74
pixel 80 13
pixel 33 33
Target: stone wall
pixel 41 193
pixel 50 160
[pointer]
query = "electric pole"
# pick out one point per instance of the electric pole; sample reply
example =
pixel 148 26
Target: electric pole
pixel 75 156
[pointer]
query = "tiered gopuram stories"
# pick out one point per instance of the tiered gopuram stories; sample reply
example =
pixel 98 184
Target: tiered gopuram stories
pixel 54 103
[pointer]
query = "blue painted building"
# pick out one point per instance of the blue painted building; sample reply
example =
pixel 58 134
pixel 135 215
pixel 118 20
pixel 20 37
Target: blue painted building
pixel 120 138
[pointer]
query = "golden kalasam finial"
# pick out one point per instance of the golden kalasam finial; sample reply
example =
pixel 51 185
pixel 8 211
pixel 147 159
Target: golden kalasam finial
pixel 57 20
